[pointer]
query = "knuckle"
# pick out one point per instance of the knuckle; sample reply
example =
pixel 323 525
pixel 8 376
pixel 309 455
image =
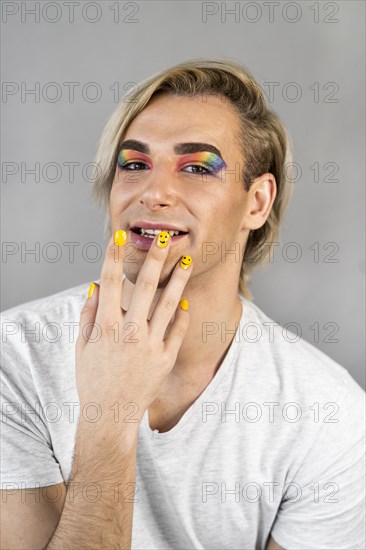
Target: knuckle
pixel 115 253
pixel 107 323
pixel 167 304
pixel 111 279
pixel 147 285
pixel 181 330
pixel 110 328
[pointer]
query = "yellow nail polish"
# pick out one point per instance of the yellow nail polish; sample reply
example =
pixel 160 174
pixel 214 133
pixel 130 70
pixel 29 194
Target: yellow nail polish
pixel 184 304
pixel 91 290
pixel 185 262
pixel 120 237
pixel 163 239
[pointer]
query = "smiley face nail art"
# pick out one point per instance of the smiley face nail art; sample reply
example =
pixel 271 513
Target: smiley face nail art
pixel 163 239
pixel 185 262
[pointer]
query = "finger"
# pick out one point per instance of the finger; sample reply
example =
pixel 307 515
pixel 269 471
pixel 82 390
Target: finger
pixel 148 278
pixel 177 330
pixel 87 317
pixel 168 301
pixel 111 278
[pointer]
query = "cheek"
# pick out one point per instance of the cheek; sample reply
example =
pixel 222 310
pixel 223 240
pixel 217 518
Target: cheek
pixel 209 204
pixel 113 197
pixel 125 186
pixel 120 187
pixel 118 199
pixel 226 212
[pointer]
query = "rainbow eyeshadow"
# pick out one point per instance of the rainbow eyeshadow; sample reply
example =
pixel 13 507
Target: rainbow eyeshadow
pixel 213 162
pixel 126 155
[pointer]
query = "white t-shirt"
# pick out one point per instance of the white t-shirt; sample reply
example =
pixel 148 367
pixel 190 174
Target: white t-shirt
pixel 275 443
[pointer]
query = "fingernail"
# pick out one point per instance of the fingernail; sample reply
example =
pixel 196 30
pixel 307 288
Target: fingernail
pixel 184 304
pixel 163 239
pixel 91 290
pixel 185 262
pixel 120 237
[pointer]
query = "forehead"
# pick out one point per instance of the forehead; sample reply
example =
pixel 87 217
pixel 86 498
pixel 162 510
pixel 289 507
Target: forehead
pixel 170 119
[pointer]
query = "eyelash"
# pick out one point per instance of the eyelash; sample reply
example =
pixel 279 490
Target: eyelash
pixel 124 167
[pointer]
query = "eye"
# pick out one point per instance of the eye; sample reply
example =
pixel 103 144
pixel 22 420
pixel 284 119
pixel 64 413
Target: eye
pixel 199 166
pixel 127 165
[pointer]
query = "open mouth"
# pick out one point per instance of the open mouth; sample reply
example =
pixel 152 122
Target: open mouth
pixel 143 237
pixel 150 233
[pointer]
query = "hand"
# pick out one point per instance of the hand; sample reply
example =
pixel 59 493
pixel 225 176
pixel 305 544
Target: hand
pixel 122 357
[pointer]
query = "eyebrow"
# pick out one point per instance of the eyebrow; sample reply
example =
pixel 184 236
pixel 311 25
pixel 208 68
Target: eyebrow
pixel 179 148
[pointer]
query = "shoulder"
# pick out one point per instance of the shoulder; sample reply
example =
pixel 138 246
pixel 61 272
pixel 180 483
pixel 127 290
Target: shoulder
pixel 47 306
pixel 31 328
pixel 297 367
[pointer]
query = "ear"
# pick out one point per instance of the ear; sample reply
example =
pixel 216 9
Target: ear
pixel 261 197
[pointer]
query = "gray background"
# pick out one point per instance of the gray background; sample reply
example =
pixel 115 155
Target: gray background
pixel 315 49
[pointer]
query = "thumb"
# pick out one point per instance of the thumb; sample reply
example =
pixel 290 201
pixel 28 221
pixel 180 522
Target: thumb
pixel 87 317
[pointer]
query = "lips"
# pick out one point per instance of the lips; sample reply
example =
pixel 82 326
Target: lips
pixel 153 232
pixel 162 225
pixel 142 232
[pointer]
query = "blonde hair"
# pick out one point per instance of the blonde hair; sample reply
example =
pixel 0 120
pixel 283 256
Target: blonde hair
pixel 263 139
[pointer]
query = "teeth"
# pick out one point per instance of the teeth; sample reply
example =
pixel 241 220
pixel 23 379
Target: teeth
pixel 153 232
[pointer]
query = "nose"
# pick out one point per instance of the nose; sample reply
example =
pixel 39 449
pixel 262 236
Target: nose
pixel 159 190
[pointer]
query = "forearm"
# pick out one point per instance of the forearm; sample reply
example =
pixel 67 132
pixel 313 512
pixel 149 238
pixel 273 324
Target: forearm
pixel 98 509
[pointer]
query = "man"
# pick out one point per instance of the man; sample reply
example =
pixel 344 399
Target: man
pixel 201 425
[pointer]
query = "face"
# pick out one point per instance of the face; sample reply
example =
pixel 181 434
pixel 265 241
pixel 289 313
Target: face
pixel 170 178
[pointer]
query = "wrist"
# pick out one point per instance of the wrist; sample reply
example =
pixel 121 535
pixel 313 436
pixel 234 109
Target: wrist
pixel 109 431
